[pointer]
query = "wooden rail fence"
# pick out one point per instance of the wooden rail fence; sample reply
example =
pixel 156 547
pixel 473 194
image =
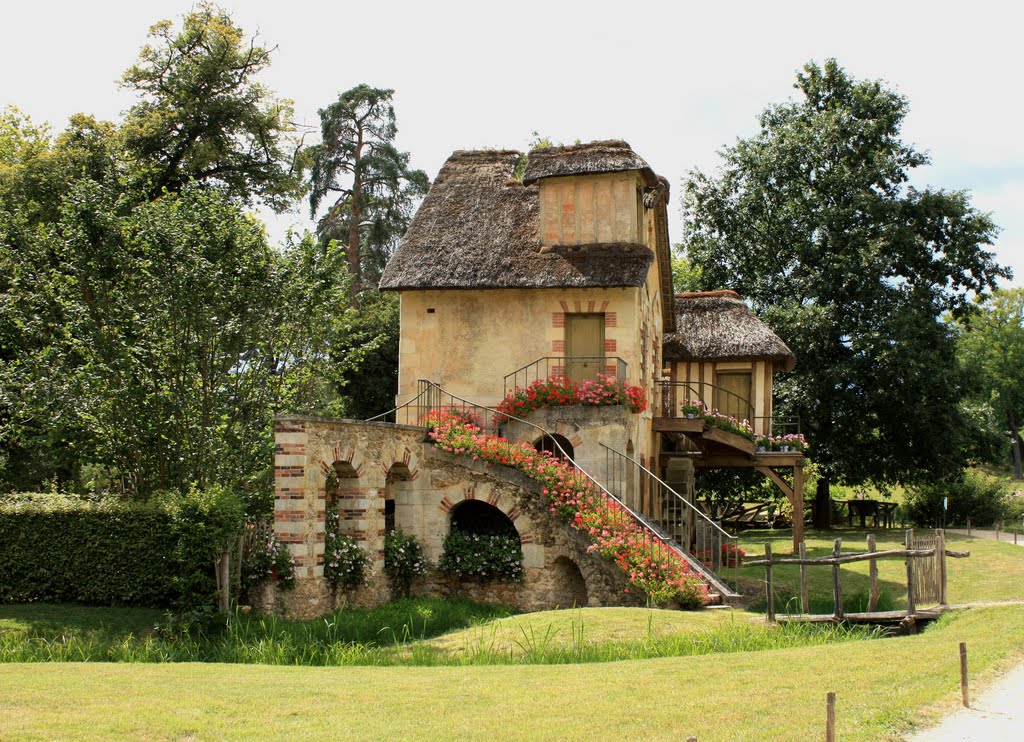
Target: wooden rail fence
pixel 925 558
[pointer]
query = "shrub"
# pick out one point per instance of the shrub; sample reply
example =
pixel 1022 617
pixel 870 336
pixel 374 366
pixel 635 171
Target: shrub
pixel 482 556
pixel 205 523
pixel 977 496
pixel 60 548
pixel 345 562
pixel 265 559
pixel 403 561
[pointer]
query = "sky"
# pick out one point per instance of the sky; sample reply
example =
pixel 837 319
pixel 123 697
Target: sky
pixel 677 80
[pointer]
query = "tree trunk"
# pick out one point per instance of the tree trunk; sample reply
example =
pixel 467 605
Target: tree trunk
pixel 823 503
pixel 1015 445
pixel 356 216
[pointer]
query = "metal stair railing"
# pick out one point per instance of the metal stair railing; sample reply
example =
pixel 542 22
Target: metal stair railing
pixel 713 547
pixel 433 398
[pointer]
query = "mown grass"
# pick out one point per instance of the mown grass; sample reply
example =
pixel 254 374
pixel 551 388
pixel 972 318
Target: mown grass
pixel 993 572
pixel 777 695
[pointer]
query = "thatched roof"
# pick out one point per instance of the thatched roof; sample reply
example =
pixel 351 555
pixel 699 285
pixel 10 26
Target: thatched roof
pixel 611 156
pixel 718 326
pixel 478 228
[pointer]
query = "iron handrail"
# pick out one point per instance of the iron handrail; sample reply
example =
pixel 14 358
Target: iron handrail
pixel 396 409
pixel 658 479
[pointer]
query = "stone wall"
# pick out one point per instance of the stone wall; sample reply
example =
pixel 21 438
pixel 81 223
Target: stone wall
pixel 375 462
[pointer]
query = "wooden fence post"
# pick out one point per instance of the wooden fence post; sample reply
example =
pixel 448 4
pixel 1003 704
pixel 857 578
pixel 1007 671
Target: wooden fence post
pixel 768 582
pixel 873 576
pixel 911 608
pixel 968 525
pixel 830 716
pixel 940 548
pixel 965 694
pixel 837 595
pixel 805 603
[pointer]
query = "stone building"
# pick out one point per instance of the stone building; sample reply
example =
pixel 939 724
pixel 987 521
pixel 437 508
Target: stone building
pixel 517 268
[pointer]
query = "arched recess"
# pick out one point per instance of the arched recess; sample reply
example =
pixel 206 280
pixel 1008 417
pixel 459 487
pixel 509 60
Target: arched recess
pixel 482 518
pixel 547 443
pixel 570 589
pixel 396 484
pixel 341 489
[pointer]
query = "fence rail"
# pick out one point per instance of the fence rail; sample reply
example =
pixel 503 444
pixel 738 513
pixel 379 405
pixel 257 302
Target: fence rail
pixel 925 559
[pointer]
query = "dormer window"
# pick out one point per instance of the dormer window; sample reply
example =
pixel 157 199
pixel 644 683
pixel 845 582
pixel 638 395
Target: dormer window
pixel 591 209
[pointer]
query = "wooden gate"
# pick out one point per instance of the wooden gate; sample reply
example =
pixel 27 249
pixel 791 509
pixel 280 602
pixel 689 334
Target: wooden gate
pixel 927 569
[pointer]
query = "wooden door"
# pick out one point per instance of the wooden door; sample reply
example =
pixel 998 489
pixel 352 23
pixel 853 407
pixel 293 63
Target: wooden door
pixel 584 346
pixel 732 397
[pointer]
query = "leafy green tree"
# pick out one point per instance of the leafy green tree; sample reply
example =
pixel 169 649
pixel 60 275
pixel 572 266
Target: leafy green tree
pixel 358 165
pixel 992 346
pixel 203 117
pixel 811 220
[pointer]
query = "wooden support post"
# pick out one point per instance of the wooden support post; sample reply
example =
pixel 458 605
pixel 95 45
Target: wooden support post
pixel 1014 536
pixel 798 505
pixel 968 525
pixel 873 576
pixel 768 582
pixel 911 608
pixel 965 694
pixel 805 603
pixel 940 549
pixel 830 716
pixel 837 595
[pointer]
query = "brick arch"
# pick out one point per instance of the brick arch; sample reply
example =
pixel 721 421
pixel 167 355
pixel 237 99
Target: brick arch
pixel 402 456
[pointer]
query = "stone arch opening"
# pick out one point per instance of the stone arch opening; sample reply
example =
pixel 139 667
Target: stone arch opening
pixel 481 518
pixel 341 488
pixel 548 443
pixel 570 589
pixel 396 484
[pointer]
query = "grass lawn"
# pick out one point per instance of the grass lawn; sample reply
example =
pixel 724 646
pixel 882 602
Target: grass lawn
pixel 777 695
pixel 993 572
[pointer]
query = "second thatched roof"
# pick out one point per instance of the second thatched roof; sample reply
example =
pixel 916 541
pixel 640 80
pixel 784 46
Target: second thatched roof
pixel 718 326
pixel 609 156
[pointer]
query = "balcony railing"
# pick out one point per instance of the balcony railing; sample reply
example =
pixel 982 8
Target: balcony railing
pixel 675 395
pixel 573 367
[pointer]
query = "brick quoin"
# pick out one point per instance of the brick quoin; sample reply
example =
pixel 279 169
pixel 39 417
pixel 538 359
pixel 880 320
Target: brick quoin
pixel 558 319
pixel 557 346
pixel 610 319
pixel 289 471
pixel 290 449
pixel 610 346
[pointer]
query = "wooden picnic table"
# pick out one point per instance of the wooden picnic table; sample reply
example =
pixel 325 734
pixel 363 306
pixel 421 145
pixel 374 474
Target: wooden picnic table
pixel 873 508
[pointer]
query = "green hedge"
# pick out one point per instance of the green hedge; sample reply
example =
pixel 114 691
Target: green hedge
pixel 55 548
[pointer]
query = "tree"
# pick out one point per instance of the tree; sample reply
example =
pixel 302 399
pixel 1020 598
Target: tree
pixel 992 346
pixel 376 190
pixel 812 221
pixel 204 118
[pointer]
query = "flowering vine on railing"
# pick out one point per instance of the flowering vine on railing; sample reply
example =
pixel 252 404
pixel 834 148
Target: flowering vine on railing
pixel 785 443
pixel 728 423
pixel 652 567
pixel 559 390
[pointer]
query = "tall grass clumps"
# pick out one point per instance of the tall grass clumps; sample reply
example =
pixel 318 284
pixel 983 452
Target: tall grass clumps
pixel 406 632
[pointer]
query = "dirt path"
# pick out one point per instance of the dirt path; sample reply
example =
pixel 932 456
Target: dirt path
pixel 1004 536
pixel 996 715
